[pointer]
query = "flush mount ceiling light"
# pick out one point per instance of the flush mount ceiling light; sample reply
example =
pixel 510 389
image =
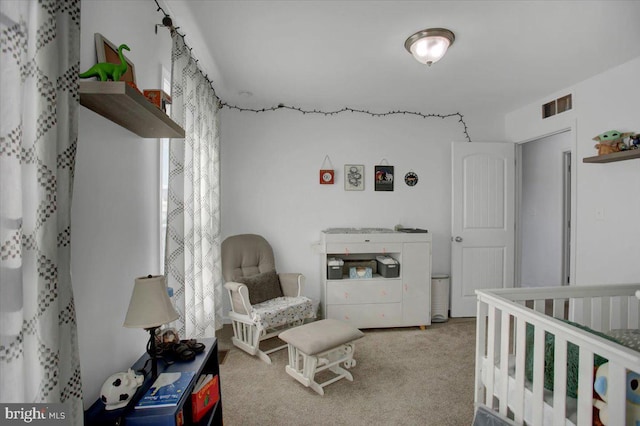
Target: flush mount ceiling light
pixel 429 46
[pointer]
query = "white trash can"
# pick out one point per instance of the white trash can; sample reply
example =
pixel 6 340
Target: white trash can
pixel 439 298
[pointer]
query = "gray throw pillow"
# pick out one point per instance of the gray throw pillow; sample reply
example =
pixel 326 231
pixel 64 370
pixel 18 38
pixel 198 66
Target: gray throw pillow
pixel 262 287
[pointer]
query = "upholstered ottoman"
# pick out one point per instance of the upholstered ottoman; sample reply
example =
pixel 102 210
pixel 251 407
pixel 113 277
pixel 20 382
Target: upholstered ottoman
pixel 318 346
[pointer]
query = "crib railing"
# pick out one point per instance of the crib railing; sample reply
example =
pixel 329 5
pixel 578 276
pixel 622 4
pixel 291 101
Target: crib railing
pixel 502 318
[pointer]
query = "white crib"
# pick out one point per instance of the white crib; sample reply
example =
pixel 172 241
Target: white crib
pixel 503 315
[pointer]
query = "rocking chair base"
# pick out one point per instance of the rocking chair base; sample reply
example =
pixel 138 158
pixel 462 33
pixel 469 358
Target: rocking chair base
pixel 251 338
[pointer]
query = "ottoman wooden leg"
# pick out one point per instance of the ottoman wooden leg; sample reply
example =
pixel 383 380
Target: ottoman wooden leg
pixel 304 367
pixel 318 346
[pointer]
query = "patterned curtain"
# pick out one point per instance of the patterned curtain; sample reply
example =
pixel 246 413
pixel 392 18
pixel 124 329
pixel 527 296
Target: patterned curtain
pixel 40 59
pixel 192 258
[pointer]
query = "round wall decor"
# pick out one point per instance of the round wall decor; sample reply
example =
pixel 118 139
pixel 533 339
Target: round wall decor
pixel 411 179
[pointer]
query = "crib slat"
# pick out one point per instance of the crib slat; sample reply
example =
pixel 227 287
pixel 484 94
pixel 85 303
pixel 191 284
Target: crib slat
pixel 538 376
pixel 558 308
pixel 560 380
pixel 481 333
pixel 605 311
pixel 575 313
pixel 497 336
pixel 491 338
pixel 634 312
pixel 503 392
pixel 624 313
pixel 538 306
pixel 616 401
pixel 518 399
pixel 585 388
pixel 586 312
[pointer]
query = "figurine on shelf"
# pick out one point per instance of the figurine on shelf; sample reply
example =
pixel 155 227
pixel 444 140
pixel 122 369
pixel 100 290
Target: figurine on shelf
pixel 107 70
pixel 610 142
pixel 634 141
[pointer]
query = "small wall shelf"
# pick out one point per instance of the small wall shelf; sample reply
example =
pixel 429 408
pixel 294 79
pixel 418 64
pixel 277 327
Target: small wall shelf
pixel 616 156
pixel 127 107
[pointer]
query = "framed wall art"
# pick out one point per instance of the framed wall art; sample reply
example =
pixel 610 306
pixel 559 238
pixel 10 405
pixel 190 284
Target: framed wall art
pixel 354 177
pixel 326 177
pixel 326 172
pixel 108 52
pixel 383 178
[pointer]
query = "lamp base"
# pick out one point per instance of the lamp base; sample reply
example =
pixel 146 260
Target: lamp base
pixel 153 351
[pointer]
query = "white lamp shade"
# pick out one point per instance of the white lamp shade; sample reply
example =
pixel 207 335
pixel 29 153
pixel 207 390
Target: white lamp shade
pixel 150 305
pixel 429 46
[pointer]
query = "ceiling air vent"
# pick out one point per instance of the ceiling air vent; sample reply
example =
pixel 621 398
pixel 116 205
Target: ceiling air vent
pixel 557 106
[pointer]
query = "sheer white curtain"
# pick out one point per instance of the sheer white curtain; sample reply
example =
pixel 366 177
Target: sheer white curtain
pixel 192 256
pixel 39 360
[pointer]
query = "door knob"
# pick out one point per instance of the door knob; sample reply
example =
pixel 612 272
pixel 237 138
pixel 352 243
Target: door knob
pixel 458 239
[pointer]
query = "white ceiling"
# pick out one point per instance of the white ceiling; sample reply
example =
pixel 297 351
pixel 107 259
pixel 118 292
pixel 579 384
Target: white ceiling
pixel 332 54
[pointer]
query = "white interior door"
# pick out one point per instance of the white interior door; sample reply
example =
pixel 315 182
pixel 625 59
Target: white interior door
pixel 482 224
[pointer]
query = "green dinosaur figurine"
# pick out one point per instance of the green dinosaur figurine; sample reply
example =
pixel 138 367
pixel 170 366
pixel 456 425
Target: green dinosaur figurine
pixel 106 70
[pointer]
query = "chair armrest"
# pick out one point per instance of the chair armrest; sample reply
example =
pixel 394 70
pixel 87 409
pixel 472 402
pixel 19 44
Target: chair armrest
pixel 239 295
pixel 291 284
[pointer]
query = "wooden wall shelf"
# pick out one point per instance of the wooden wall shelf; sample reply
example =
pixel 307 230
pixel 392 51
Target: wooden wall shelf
pixel 616 156
pixel 127 107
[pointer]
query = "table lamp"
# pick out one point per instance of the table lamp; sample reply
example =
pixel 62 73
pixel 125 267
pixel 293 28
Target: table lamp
pixel 149 308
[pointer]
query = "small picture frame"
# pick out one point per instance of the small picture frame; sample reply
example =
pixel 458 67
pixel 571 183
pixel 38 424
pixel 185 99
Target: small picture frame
pixel 108 52
pixel 326 177
pixel 383 178
pixel 354 177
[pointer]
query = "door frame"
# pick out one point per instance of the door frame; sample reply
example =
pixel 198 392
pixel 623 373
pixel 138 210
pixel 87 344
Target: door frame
pixel 567 158
pixel 571 268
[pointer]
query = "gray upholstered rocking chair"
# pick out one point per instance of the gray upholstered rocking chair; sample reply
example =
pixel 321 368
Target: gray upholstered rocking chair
pixel 263 302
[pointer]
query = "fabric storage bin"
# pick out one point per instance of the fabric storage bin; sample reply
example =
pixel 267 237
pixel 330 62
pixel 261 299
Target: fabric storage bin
pixel 334 268
pixel 388 267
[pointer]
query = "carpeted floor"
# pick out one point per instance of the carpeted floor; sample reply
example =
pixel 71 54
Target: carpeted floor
pixel 403 376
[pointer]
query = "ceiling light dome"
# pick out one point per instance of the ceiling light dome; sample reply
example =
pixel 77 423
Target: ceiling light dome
pixel 429 46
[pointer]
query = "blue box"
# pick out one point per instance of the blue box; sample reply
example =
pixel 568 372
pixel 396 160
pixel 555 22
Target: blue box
pixel 360 272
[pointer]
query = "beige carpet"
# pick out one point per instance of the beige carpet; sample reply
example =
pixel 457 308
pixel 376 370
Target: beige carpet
pixel 403 376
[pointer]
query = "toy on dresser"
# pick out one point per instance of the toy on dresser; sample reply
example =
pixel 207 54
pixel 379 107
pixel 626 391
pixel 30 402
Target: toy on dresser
pixel 119 388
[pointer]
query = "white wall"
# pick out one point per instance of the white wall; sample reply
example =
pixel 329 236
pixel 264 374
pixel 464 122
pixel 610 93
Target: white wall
pixel 270 165
pixel 607 195
pixel 115 217
pixel 541 210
